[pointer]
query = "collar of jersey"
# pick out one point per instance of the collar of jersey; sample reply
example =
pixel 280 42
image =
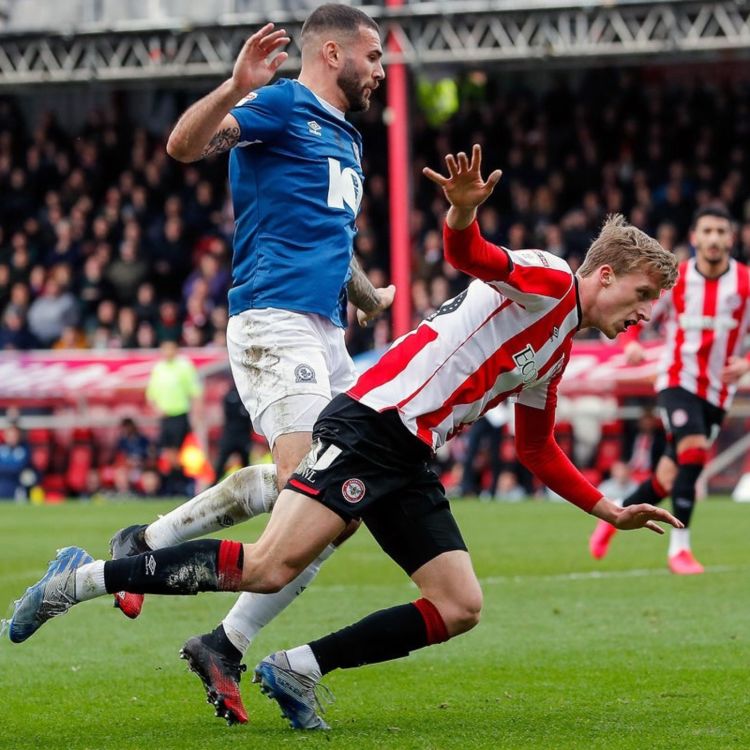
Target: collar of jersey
pixel 323 103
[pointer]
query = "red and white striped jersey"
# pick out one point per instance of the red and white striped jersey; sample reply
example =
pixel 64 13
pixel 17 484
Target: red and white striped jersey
pixel 706 321
pixel 510 336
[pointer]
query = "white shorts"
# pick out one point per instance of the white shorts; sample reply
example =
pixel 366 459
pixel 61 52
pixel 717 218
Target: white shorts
pixel 287 366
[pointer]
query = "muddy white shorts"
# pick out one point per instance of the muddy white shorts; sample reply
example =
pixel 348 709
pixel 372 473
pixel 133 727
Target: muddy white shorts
pixel 287 366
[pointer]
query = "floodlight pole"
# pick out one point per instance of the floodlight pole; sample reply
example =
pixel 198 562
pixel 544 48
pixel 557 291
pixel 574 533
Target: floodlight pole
pixel 399 179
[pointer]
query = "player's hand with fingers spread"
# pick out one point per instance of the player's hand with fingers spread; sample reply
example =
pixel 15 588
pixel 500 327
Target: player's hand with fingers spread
pixel 254 66
pixel 642 516
pixel 464 186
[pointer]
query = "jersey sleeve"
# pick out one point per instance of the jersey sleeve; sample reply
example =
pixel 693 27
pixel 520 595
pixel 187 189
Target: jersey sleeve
pixel 539 452
pixel 530 277
pixel 264 114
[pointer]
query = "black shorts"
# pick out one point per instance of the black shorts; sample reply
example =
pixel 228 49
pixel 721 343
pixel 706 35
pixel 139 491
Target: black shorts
pixel 684 413
pixel 364 464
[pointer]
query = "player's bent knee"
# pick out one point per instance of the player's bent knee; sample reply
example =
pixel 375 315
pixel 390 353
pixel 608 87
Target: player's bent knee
pixel 461 616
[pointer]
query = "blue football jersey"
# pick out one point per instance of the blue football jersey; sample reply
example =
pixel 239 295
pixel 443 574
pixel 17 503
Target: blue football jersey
pixel 296 183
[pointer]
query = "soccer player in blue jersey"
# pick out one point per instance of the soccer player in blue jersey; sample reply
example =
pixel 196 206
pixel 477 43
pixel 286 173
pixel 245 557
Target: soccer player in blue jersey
pixel 296 182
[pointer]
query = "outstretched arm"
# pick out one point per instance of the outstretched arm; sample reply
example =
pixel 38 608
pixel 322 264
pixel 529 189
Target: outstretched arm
pixel 368 300
pixel 207 127
pixel 540 453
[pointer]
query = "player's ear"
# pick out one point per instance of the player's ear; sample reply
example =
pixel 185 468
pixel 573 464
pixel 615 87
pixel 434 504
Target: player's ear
pixel 332 53
pixel 606 275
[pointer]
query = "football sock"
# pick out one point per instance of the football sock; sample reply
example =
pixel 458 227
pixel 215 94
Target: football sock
pixel 302 660
pixel 204 565
pixel 648 491
pixel 388 634
pixel 90 581
pixel 242 495
pixel 252 612
pixel 683 493
pixel 679 540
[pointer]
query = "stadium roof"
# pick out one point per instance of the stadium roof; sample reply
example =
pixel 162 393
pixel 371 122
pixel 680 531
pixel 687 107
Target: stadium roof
pixel 158 48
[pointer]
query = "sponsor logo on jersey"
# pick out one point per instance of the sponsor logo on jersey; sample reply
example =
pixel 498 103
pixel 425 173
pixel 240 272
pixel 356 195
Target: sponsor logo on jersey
pixel 526 363
pixel 150 565
pixel 344 186
pixel 678 418
pixel 718 323
pixel 314 127
pixel 555 332
pixel 355 149
pixel 304 374
pixel 353 490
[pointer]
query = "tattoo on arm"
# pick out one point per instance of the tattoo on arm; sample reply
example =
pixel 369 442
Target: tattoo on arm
pixel 362 293
pixel 222 141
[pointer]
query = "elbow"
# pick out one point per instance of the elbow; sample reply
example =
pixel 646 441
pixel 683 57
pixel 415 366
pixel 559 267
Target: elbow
pixel 178 150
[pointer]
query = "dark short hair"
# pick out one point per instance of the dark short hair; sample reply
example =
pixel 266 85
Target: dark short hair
pixel 337 17
pixel 719 210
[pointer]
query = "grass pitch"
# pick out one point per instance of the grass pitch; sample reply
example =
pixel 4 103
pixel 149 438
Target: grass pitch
pixel 570 653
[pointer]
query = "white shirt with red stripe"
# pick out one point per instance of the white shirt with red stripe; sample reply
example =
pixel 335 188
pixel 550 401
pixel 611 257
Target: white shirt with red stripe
pixel 705 322
pixel 508 335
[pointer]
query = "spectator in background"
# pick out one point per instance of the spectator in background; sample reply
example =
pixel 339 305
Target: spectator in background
pixel 51 312
pixel 487 431
pixel 16 475
pixel 620 482
pixel 172 391
pixel 132 447
pixel 235 434
pixel 127 272
pixel 15 333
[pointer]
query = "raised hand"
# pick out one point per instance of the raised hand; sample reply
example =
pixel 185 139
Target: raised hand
pixel 464 187
pixel 254 66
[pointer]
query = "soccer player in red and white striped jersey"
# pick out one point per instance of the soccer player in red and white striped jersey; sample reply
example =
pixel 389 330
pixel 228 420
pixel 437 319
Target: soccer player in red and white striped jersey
pixel 705 318
pixel 508 336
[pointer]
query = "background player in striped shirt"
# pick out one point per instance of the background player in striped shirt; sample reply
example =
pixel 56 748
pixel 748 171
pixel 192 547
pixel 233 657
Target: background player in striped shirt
pixel 705 319
pixel 296 183
pixel 508 335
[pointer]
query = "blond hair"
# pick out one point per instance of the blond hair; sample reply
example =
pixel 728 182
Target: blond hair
pixel 627 249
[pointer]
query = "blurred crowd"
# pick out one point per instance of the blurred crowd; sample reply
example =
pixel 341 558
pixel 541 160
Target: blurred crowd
pixel 105 242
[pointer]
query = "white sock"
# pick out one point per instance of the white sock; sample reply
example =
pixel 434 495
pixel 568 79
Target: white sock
pixel 302 660
pixel 240 496
pixel 251 612
pixel 90 581
pixel 679 540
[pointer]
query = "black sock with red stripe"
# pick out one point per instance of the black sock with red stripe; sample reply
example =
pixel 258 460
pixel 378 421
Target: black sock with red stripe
pixel 388 634
pixel 203 565
pixel 648 491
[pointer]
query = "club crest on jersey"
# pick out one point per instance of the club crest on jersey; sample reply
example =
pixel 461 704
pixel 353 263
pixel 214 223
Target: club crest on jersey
pixel 304 374
pixel 353 490
pixel 678 418
pixel 314 127
pixel 526 364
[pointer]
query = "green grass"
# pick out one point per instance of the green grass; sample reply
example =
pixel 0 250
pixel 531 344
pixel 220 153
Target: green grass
pixel 569 654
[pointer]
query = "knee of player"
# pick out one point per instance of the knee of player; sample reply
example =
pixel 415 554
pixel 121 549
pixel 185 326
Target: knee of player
pixel 463 614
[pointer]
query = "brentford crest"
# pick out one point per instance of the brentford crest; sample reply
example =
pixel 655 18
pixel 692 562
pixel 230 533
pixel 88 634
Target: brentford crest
pixel 353 490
